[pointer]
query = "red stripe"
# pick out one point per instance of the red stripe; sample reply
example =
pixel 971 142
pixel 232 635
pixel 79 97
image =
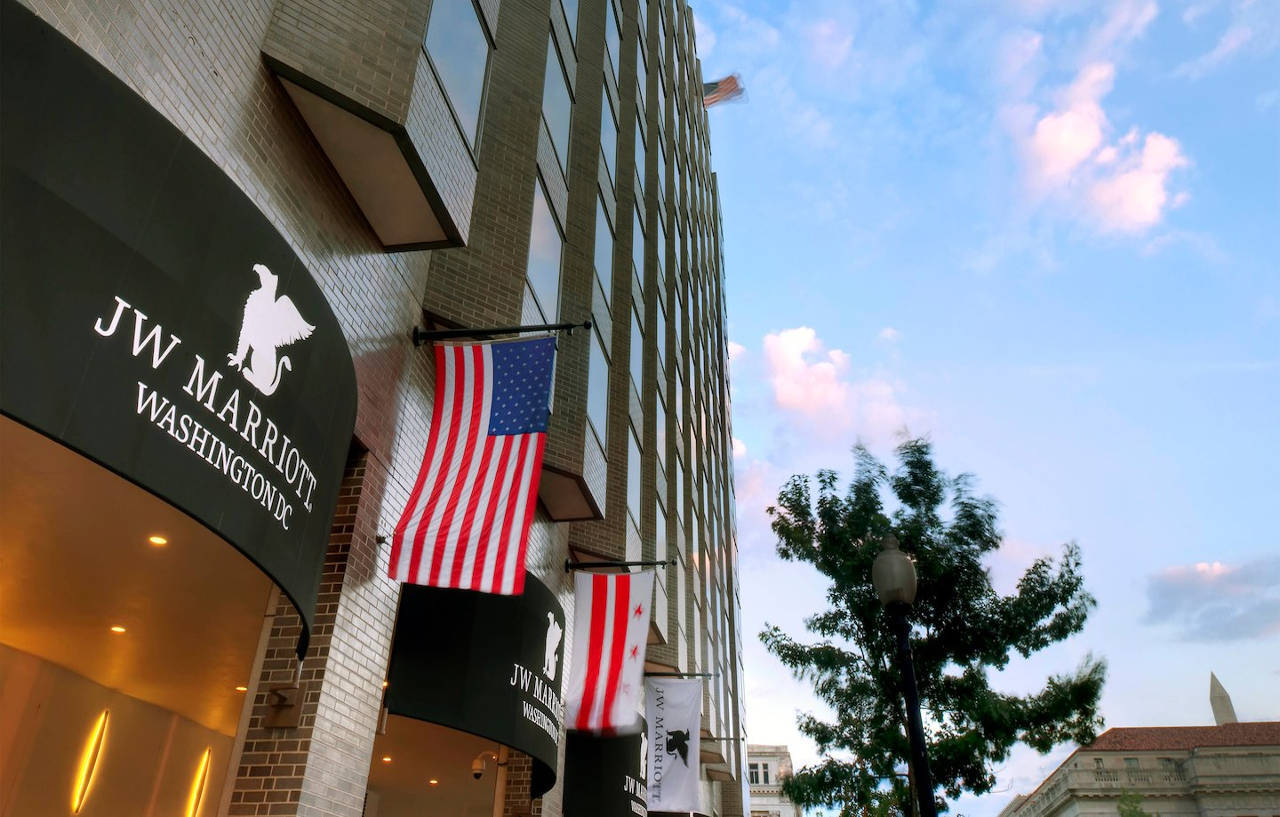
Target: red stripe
pixel 490 511
pixel 504 534
pixel 451 441
pixel 621 610
pixel 442 373
pixel 599 598
pixel 407 516
pixel 531 505
pixel 465 542
pixel 474 433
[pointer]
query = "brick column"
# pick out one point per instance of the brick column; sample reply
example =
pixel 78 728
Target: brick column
pixel 322 766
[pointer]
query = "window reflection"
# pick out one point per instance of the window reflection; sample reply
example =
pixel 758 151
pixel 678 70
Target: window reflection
pixel 604 252
pixel 609 135
pixel 571 14
pixel 598 390
pixel 543 270
pixel 637 250
pixel 556 103
pixel 612 37
pixel 633 477
pixel 459 52
pixel 637 350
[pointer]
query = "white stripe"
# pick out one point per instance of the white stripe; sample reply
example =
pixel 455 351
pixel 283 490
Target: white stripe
pixel 595 718
pixel 482 507
pixel 450 468
pixel 477 435
pixel 504 496
pixel 581 647
pixel 625 708
pixel 517 520
pixel 405 571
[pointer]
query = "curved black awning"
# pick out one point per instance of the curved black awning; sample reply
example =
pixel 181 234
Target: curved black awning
pixel 485 664
pixel 605 776
pixel 155 321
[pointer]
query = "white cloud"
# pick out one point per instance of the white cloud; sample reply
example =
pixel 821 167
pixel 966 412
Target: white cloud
pixel 889 335
pixel 813 384
pixel 1065 138
pixel 704 36
pixel 736 350
pixel 1120 186
pixel 1231 41
pixel 1126 21
pixel 739 448
pixel 829 42
pixel 1136 197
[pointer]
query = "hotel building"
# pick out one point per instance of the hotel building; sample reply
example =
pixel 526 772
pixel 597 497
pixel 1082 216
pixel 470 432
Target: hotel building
pixel 221 222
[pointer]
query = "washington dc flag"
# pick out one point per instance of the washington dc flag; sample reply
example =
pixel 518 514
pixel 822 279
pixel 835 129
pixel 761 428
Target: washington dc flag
pixel 467 521
pixel 610 629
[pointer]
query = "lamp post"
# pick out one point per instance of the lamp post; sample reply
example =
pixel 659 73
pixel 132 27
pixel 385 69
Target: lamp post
pixel 894 576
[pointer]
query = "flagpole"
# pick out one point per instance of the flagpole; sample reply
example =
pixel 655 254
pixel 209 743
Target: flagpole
pixel 570 565
pixel 421 336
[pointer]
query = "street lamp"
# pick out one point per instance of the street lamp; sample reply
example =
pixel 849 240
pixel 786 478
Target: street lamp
pixel 894 576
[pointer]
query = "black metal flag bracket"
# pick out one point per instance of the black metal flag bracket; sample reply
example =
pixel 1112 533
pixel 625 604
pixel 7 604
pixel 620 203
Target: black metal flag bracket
pixel 421 336
pixel 570 565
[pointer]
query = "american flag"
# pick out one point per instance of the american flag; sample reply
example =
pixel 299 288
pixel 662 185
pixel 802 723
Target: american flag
pixel 467 521
pixel 610 630
pixel 722 90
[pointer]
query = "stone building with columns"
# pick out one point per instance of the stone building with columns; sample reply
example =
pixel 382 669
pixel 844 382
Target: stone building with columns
pixel 1230 769
pixel 221 222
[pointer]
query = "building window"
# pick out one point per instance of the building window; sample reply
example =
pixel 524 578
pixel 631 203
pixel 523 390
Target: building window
pixel 660 531
pixel 609 135
pixel 604 252
pixel 571 15
pixel 637 351
pixel 545 243
pixel 637 250
pixel 753 773
pixel 557 105
pixel 1131 763
pixel 662 171
pixel 764 770
pixel 459 50
pixel 612 37
pixel 633 477
pixel 662 252
pixel 641 157
pixel 642 79
pixel 660 340
pixel 598 390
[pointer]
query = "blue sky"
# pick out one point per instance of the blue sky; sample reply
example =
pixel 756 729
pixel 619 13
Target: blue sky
pixel 1045 233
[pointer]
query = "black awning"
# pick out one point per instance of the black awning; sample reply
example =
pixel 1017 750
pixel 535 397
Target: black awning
pixel 485 664
pixel 605 776
pixel 154 319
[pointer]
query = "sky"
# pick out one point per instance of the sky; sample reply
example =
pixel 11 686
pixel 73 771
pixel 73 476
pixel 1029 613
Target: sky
pixel 1045 234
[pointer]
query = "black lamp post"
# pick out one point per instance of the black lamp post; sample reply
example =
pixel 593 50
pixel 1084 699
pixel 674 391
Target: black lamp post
pixel 894 576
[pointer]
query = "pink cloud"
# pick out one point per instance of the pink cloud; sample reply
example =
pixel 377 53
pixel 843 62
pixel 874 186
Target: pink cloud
pixel 1137 195
pixel 1065 138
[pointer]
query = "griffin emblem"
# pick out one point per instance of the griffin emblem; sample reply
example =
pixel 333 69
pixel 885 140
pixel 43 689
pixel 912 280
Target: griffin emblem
pixel 269 323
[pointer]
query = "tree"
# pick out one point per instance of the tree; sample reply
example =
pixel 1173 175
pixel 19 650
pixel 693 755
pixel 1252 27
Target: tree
pixel 1130 805
pixel 961 629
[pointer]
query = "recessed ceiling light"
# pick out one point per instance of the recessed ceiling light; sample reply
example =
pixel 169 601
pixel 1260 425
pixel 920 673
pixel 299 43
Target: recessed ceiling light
pixel 386 758
pixel 117 629
pixel 434 782
pixel 158 540
pixel 242 689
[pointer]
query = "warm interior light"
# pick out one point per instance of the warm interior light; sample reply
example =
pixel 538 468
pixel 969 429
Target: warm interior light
pixel 157 540
pixel 117 629
pixel 434 782
pixel 197 785
pixel 242 689
pixel 386 758
pixel 89 762
pixel 386 684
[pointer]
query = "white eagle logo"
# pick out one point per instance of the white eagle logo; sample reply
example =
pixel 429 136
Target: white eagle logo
pixel 549 657
pixel 269 323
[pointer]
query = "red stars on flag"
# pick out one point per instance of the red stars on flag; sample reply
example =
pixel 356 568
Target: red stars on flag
pixel 610 629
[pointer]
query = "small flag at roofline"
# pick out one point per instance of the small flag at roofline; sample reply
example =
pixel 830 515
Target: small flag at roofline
pixel 722 90
pixel 610 631
pixel 466 524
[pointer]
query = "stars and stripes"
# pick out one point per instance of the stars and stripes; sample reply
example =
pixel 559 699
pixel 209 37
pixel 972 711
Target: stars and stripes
pixel 610 629
pixel 721 90
pixel 467 521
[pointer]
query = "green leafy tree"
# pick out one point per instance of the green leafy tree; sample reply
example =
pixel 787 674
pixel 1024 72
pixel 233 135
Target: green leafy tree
pixel 1130 805
pixel 961 628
